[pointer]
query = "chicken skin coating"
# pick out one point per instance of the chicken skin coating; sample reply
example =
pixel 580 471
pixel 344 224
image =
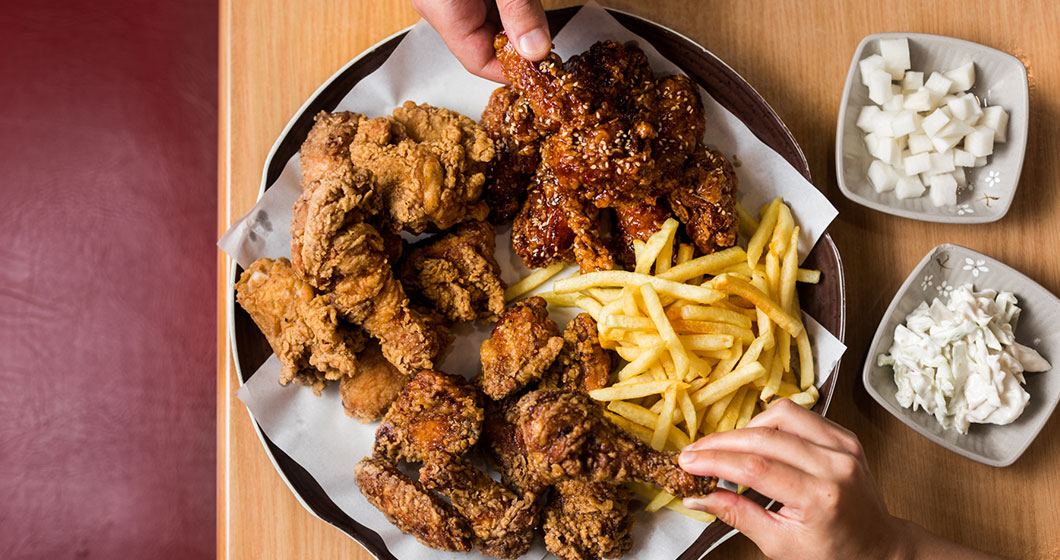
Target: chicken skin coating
pixel 435 413
pixel 302 327
pixel 582 365
pixel 541 234
pixel 637 222
pixel 567 437
pixel 368 394
pixel 457 274
pixel 412 509
pixel 706 201
pixel 509 121
pixel 588 521
pixel 520 348
pixel 503 522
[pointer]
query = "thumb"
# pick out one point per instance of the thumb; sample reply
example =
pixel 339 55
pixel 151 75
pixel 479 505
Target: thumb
pixel 741 514
pixel 524 22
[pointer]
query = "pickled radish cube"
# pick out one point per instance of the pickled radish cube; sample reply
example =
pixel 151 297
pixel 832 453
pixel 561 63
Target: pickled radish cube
pixel 940 163
pixel 980 142
pixel 867 116
pixel 945 100
pixel 938 86
pixel 912 81
pixel 965 108
pixel 962 158
pixel 868 65
pixel 945 143
pixel 980 161
pixel 943 190
pixel 882 176
pixel 895 103
pixel 887 150
pixel 880 87
pixel 963 77
pixel 919 100
pixel 956 127
pixel 960 177
pixel 883 125
pixel 905 122
pixel 895 53
pixel 916 164
pixel 995 118
pixel 935 122
pixel 871 139
pixel 908 187
pixel 919 143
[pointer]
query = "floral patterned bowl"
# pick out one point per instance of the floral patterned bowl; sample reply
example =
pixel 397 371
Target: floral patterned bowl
pixel 943 269
pixel 1000 79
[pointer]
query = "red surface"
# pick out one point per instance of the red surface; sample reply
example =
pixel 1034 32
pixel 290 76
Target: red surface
pixel 108 153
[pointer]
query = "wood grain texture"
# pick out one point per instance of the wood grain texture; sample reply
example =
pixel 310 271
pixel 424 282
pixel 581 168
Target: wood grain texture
pixel 274 54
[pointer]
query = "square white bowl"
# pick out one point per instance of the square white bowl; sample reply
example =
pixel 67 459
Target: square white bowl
pixel 1000 79
pixel 951 266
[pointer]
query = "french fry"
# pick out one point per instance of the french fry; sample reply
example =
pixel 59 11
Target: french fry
pixel 688 412
pixel 715 390
pixel 761 301
pixel 642 433
pixel 684 326
pixel 706 264
pixel 732 412
pixel 590 306
pixel 726 365
pixel 684 253
pixel 654 245
pixel 565 300
pixel 747 408
pixel 765 326
pixel 776 369
pixel 626 392
pixel 808 276
pixel 666 331
pixel 717 410
pixel 748 223
pixel 659 501
pixel 763 232
pixel 640 363
pixel 806 365
pixel 789 271
pixel 701 516
pixel 712 314
pixel 533 280
pixel 696 294
pixel 628 323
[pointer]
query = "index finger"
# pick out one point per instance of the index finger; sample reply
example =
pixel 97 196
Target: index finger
pixel 791 418
pixel 467 31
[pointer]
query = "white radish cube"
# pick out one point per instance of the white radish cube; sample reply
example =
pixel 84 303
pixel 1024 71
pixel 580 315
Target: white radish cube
pixel 883 125
pixel 912 81
pixel 908 187
pixel 871 139
pixel 880 87
pixel 919 143
pixel 980 161
pixel 895 54
pixel 882 176
pixel 938 85
pixel 943 190
pixel 980 142
pixel 965 108
pixel 916 164
pixel 868 65
pixel 867 116
pixel 956 127
pixel 894 103
pixel 919 100
pixel 905 122
pixel 888 151
pixel 935 122
pixel 963 77
pixel 940 163
pixel 995 118
pixel 960 177
pixel 945 99
pixel 962 158
pixel 945 143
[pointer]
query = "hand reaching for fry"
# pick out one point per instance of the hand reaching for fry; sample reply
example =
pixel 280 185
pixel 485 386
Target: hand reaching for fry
pixel 832 508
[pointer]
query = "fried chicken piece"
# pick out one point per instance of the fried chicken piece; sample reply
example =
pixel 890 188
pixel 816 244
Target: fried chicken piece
pixel 458 274
pixel 503 522
pixel 412 509
pixel 521 347
pixel 681 124
pixel 567 437
pixel 302 328
pixel 435 413
pixel 337 251
pixel 509 121
pixel 588 521
pixel 428 165
pixel 540 233
pixel 505 448
pixel 368 394
pixel 705 201
pixel 637 222
pixel 583 365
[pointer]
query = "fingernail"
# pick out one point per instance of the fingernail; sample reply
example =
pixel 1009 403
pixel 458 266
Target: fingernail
pixel 534 43
pixel 695 503
pixel 686 456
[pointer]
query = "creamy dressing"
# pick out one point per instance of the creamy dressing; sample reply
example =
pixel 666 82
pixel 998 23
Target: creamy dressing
pixel 960 361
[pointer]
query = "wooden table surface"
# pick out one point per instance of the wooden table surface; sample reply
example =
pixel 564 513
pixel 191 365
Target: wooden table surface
pixel 275 53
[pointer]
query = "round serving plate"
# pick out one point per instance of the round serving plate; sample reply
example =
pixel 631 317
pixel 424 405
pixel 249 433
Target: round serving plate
pixel 825 301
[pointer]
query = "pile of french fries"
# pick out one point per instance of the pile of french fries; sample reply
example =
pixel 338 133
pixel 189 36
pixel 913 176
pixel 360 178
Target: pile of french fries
pixel 708 342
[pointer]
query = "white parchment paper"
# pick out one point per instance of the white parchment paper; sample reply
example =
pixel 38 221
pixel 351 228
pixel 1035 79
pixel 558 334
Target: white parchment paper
pixel 315 431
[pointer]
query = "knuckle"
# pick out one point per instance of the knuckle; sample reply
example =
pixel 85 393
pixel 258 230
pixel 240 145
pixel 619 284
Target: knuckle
pixel 847 466
pixel 756 466
pixel 829 494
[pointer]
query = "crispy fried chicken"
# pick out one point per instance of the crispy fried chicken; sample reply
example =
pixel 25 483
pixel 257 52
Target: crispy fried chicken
pixel 567 437
pixel 541 234
pixel 435 413
pixel 503 522
pixel 509 121
pixel 588 521
pixel 412 509
pixel 705 201
pixel 367 395
pixel 457 274
pixel 520 348
pixel 337 251
pixel 582 365
pixel 302 327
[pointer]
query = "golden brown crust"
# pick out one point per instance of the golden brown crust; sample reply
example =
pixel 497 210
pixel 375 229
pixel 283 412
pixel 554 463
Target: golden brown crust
pixel 582 365
pixel 521 347
pixel 588 521
pixel 705 201
pixel 368 394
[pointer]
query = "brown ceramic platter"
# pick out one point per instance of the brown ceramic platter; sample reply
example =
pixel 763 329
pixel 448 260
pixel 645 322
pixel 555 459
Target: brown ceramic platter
pixel 825 301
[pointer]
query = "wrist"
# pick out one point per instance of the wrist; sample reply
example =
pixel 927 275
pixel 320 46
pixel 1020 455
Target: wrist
pixel 906 541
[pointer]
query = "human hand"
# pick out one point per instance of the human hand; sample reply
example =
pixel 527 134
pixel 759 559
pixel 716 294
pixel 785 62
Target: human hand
pixel 817 469
pixel 468 28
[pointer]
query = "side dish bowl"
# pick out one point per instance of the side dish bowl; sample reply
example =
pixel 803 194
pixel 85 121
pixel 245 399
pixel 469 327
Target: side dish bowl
pixel 1000 79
